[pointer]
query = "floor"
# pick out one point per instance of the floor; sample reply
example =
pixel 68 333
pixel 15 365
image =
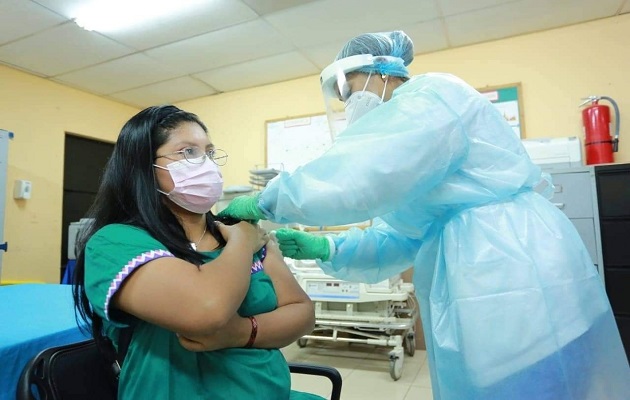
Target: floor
pixel 364 369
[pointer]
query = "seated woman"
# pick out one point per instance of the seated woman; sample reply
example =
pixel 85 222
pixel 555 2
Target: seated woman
pixel 210 304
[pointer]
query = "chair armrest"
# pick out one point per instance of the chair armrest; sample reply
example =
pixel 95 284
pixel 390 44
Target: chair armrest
pixel 321 370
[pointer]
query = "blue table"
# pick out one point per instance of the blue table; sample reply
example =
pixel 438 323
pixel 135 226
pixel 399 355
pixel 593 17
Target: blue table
pixel 33 317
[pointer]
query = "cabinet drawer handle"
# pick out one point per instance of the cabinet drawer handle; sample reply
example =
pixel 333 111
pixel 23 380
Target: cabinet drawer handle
pixel 559 205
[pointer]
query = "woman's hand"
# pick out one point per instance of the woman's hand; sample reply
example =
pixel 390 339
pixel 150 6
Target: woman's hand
pixel 250 236
pixel 293 317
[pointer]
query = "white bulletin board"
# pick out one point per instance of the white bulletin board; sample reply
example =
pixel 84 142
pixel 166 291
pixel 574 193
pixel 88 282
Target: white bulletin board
pixel 293 142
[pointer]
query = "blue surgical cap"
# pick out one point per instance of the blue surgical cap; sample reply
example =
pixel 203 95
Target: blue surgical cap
pixel 396 44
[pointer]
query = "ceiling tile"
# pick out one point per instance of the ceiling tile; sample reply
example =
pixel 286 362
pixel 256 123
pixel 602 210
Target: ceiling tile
pixel 324 54
pixel 427 36
pixel 263 7
pixel 114 76
pixel 453 7
pixel 66 8
pixel 626 7
pixel 200 18
pixel 167 92
pixel 20 18
pixel 259 72
pixel 214 15
pixel 523 17
pixel 61 49
pixel 330 20
pixel 232 45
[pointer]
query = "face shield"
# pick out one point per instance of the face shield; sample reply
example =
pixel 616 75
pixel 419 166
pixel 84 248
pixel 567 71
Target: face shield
pixel 336 89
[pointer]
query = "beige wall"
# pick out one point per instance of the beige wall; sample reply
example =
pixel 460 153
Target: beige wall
pixel 39 113
pixel 556 68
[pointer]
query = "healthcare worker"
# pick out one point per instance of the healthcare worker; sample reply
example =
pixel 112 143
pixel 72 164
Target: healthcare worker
pixel 511 303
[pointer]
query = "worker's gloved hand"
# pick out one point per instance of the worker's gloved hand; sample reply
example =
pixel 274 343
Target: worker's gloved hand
pixel 244 208
pixel 301 245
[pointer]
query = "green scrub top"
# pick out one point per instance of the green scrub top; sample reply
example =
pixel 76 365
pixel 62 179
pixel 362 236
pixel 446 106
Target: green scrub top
pixel 157 367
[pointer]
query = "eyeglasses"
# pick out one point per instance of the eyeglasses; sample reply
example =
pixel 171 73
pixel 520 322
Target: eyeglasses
pixel 195 155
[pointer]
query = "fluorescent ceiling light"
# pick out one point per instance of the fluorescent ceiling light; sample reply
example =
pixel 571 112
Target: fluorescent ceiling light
pixel 114 15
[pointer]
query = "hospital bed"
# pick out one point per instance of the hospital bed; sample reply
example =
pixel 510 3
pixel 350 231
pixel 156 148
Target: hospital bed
pixel 382 314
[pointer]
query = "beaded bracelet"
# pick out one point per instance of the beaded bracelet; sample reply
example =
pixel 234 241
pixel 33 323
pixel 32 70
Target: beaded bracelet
pixel 252 336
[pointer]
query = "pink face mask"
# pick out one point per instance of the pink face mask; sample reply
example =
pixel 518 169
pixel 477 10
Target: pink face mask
pixel 197 186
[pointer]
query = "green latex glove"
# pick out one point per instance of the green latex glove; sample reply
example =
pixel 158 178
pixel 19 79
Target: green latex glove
pixel 244 208
pixel 301 245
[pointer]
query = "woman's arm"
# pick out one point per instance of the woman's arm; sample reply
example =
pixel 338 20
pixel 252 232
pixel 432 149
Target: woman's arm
pixel 182 297
pixel 293 318
pixel 295 315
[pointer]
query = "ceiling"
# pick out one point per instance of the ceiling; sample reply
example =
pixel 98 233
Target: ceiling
pixel 225 45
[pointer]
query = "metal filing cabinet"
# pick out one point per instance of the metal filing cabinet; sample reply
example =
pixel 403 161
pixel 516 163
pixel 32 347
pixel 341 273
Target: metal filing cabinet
pixel 613 192
pixel 575 193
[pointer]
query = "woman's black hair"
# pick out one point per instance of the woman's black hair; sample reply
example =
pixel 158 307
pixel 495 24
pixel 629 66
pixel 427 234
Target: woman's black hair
pixel 128 195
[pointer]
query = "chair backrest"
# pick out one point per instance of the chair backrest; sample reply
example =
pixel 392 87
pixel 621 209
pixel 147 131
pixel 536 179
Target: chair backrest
pixel 69 372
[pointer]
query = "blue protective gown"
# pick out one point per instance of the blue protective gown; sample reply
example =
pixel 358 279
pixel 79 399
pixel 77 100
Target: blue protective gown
pixel 512 306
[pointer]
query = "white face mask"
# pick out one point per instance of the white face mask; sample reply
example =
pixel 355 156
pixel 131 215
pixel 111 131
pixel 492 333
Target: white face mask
pixel 360 103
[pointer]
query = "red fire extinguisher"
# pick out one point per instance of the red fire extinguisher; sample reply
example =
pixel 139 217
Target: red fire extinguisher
pixel 598 142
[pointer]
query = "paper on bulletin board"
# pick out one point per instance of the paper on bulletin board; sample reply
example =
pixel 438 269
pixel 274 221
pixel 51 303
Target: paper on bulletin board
pixel 506 100
pixel 296 141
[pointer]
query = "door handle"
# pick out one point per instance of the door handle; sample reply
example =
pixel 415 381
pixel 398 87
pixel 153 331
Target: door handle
pixel 559 205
